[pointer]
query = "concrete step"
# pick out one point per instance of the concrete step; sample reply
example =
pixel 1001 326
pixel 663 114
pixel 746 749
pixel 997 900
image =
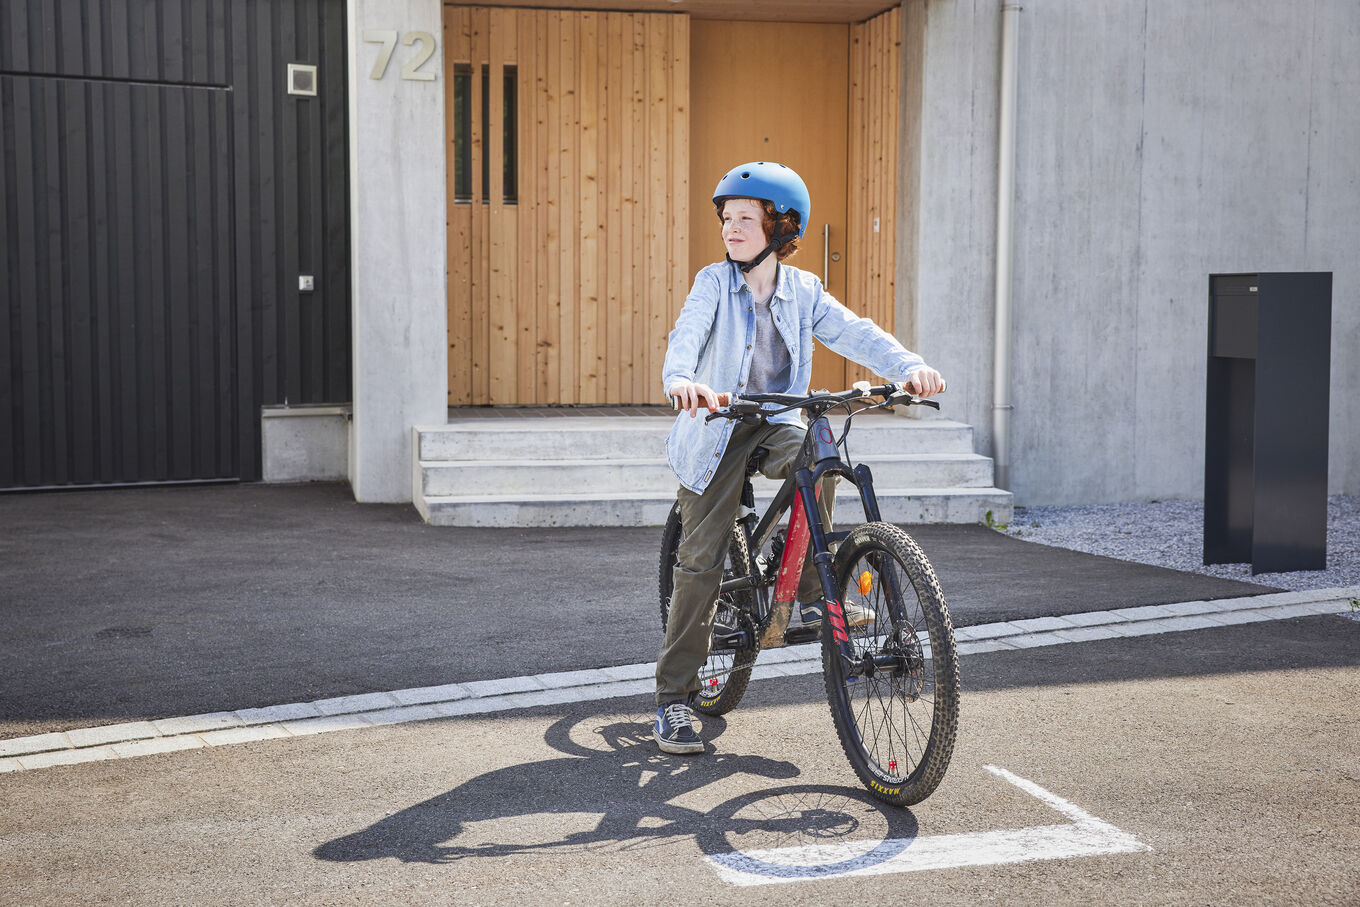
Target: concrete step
pixel 637 437
pixel 629 508
pixel 544 469
pixel 652 475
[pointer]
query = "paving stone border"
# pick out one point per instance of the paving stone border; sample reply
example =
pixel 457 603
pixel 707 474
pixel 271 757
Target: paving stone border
pixel 344 713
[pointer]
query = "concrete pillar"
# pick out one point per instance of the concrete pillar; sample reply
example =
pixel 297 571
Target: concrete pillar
pixel 397 223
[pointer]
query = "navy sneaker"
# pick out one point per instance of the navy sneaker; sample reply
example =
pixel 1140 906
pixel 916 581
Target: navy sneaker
pixel 674 730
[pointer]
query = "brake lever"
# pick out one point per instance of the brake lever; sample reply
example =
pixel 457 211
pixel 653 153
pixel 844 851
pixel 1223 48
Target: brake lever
pixel 911 400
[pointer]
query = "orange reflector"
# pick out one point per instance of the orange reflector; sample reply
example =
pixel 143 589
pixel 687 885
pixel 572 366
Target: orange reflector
pixel 866 583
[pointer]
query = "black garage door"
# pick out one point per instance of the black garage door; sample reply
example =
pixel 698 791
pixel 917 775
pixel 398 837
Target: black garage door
pixel 160 196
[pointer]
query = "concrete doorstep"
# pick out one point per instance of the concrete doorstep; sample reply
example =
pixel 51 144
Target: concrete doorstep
pixel 612 471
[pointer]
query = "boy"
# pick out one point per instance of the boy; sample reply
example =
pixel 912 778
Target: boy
pixel 747 327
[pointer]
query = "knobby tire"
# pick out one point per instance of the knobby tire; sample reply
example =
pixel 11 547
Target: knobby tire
pixel 897 726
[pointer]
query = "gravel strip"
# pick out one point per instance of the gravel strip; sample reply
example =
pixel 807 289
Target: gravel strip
pixel 1171 534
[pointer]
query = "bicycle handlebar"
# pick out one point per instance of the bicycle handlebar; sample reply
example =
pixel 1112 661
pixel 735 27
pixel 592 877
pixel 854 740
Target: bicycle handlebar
pixel 894 393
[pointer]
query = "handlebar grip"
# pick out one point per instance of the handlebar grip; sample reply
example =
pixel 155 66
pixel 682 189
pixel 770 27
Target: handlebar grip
pixel 944 385
pixel 724 400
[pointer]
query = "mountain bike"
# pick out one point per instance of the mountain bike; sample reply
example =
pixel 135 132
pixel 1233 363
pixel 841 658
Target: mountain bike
pixel 891 671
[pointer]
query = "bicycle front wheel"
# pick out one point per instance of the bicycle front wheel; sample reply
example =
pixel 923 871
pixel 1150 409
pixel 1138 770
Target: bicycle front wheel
pixel 896 702
pixel 724 676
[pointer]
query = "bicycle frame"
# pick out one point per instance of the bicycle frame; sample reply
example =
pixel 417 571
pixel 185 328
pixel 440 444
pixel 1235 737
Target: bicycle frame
pixel 881 656
pixel 800 492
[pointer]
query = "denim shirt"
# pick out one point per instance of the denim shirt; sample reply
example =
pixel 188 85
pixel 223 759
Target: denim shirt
pixel 711 344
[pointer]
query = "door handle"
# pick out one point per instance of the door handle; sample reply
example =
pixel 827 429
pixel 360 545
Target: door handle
pixel 826 256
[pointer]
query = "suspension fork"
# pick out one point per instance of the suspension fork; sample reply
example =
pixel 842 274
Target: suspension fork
pixel 865 480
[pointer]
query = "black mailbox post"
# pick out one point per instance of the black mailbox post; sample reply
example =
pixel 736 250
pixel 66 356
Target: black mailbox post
pixel 1265 459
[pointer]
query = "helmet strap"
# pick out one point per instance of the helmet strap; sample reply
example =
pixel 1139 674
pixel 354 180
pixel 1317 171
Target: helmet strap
pixel 775 245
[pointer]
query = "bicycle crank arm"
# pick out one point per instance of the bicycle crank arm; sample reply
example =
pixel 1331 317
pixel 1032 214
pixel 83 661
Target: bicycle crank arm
pixel 738 584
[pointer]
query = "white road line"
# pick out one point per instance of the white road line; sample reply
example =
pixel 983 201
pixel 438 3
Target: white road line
pixel 116 741
pixel 1085 836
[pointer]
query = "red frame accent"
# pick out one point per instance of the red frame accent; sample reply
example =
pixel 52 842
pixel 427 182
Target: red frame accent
pixel 791 568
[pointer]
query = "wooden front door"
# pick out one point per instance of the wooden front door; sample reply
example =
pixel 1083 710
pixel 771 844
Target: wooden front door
pixel 748 107
pixel 568 166
pixel 831 113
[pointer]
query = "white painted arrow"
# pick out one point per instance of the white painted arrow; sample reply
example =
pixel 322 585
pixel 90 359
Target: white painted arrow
pixel 1085 836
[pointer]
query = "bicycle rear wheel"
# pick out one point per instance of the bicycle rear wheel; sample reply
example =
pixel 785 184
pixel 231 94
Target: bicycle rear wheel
pixel 896 707
pixel 725 674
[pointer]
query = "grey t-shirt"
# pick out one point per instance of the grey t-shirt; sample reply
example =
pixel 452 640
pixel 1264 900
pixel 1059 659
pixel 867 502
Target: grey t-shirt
pixel 770 362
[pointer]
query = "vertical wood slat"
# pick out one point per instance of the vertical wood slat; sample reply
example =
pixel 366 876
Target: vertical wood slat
pixel 551 204
pixel 458 49
pixel 480 246
pixel 611 117
pixel 871 256
pixel 568 191
pixel 658 121
pixel 526 281
pixel 589 300
pixel 630 317
pixel 641 162
pixel 501 321
pixel 680 219
pixel 857 258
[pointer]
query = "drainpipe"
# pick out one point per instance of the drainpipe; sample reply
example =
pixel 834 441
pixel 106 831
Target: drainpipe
pixel 1005 217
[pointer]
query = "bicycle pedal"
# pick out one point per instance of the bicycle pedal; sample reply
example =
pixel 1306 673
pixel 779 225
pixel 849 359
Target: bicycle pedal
pixel 739 640
pixel 795 635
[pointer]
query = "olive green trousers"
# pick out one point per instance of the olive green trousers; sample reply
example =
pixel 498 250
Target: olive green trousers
pixel 708 520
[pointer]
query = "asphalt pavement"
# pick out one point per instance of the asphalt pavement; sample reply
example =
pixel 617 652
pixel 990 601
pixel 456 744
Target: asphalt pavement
pixel 155 602
pixel 1180 766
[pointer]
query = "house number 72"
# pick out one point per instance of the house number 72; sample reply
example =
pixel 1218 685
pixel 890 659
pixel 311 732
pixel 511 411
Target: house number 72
pixel 388 39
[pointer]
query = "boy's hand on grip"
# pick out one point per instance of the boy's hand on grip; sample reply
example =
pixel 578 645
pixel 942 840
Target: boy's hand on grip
pixel 690 396
pixel 925 382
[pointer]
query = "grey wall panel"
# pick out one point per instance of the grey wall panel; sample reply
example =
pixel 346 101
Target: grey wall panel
pixel 160 194
pixel 110 318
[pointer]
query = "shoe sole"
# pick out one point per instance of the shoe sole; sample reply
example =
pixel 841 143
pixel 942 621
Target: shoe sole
pixel 677 749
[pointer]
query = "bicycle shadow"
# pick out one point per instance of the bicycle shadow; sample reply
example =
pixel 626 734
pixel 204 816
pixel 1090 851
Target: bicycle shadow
pixel 633 789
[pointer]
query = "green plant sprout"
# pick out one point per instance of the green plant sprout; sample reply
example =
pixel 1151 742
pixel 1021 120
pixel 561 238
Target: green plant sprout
pixel 990 522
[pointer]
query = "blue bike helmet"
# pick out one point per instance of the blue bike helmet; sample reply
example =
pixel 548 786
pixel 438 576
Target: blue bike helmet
pixel 774 183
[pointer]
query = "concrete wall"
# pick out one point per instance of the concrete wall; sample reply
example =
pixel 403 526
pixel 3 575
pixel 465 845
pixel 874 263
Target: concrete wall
pixel 398 228
pixel 1158 142
pixel 305 443
pixel 955 207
